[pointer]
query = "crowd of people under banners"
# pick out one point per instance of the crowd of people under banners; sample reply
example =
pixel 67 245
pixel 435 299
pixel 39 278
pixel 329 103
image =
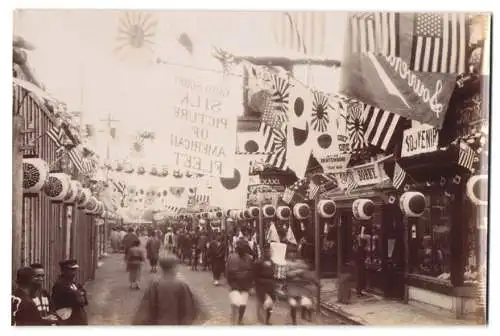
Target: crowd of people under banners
pixel 247 268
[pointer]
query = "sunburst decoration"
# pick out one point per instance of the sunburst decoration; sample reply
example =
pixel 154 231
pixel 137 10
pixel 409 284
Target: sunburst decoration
pixel 281 93
pixel 136 33
pixel 277 158
pixel 355 125
pixel 320 118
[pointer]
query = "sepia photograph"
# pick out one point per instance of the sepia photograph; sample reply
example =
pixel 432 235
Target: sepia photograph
pixel 250 168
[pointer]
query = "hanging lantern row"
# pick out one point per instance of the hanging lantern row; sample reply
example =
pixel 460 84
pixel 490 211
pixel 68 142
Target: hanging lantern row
pixel 363 209
pixel 412 203
pixel 59 187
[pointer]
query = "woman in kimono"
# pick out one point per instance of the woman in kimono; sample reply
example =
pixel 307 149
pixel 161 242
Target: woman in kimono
pixel 135 258
pixel 168 300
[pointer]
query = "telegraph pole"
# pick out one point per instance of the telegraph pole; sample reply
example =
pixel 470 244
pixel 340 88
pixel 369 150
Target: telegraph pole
pixel 109 122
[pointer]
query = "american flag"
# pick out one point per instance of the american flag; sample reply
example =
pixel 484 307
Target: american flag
pixel 56 134
pixel 351 184
pixel 440 43
pixel 466 156
pixel 303 32
pixel 76 158
pixel 399 176
pixel 375 32
pixel 288 195
pixel 119 185
pixel 380 127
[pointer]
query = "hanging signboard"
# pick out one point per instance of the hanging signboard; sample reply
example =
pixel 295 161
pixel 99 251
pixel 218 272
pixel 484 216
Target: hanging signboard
pixel 367 174
pixel 419 140
pixel 335 163
pixel 200 123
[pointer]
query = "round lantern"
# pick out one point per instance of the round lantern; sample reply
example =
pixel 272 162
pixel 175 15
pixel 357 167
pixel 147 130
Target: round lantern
pixel 56 186
pixel 203 222
pixel 73 191
pixel 211 215
pixel 91 205
pixel 83 197
pixel 241 215
pixel 363 209
pixel 301 211
pixel 254 211
pixel 35 173
pixel 204 215
pixel 477 189
pixel 412 203
pixel 268 211
pixel 283 212
pixel 247 214
pixel 229 213
pixel 218 214
pixel 326 208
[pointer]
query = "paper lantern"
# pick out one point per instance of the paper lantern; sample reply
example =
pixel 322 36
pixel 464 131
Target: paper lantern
pixel 91 205
pixel 218 214
pixel 204 214
pixel 83 197
pixel 268 211
pixel 301 211
pixel 254 211
pixel 202 222
pixel 326 208
pixel 363 209
pixel 241 215
pixel 56 186
pixel 72 195
pixel 35 173
pixel 247 214
pixel 477 190
pixel 283 212
pixel 412 203
pixel 211 215
pixel 228 212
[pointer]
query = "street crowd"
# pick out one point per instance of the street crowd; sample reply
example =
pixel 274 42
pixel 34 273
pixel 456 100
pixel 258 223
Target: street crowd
pixel 248 270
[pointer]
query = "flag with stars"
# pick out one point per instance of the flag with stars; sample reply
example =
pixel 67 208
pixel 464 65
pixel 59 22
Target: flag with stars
pixel 440 43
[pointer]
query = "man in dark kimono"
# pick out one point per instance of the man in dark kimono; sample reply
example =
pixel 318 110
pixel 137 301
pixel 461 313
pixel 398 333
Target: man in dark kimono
pixel 129 240
pixel 217 256
pixel 69 297
pixel 168 300
pixel 25 312
pixel 265 284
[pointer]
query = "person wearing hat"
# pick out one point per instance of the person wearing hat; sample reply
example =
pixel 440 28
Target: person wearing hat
pixel 217 255
pixel 265 284
pixel 168 300
pixel 39 295
pixel 68 296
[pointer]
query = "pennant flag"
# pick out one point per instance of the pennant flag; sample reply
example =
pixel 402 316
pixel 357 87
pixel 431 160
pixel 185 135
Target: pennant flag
pixel 399 176
pixel 440 43
pixel 375 32
pixel 272 234
pixel 466 156
pixel 320 183
pixel 290 237
pixel 381 126
pixel 231 193
pixel 296 192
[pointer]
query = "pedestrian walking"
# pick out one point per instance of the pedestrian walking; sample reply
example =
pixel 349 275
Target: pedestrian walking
pixel 265 285
pixel 169 300
pixel 153 246
pixel 217 256
pixel 115 240
pixel 68 296
pixel 169 240
pixel 240 280
pixel 129 240
pixel 134 258
pixel 298 286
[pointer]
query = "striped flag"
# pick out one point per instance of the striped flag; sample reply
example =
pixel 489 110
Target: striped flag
pixel 288 195
pixel 399 176
pixel 351 184
pixel 56 134
pixel 440 43
pixel 120 186
pixel 375 32
pixel 380 127
pixel 76 158
pixel 466 156
pixel 301 31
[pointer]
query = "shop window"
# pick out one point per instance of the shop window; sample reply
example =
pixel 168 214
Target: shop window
pixel 430 238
